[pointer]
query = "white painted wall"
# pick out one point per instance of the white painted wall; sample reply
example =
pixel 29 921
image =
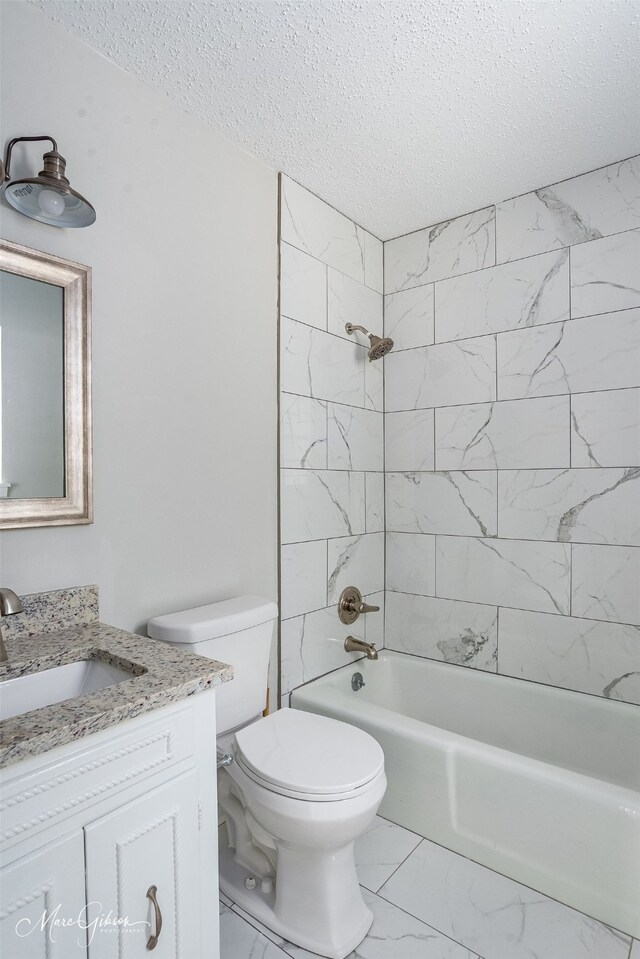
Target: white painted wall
pixel 184 260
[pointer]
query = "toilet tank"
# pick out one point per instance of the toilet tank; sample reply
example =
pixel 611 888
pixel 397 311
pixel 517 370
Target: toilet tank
pixel 236 631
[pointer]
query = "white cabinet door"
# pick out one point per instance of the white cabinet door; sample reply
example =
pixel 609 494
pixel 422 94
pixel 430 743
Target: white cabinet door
pixel 150 842
pixel 43 904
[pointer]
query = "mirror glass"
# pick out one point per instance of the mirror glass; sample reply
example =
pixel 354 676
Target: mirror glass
pixel 45 389
pixel 32 462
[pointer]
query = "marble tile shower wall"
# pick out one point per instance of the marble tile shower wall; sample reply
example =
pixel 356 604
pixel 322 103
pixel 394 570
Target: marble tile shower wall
pixel 331 433
pixel 512 427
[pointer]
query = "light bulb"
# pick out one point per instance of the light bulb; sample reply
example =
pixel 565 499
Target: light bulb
pixel 51 203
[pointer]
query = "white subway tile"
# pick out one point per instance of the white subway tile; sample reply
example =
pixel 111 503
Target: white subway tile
pixel 303 287
pixel 504 572
pixel 409 440
pixel 442 629
pixel 441 375
pixel 571 506
pixel 596 353
pixel 355 561
pixel 605 274
pixel 457 503
pixel 580 654
pixel 584 208
pixel 446 249
pixel 303 577
pixel 521 294
pixel 606 583
pixel 311 225
pixel 303 432
pixel 355 438
pixel 319 505
pixel 411 563
pixel 506 435
pixel 408 317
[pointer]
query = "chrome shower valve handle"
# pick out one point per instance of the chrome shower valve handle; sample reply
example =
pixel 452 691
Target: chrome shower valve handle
pixel 351 605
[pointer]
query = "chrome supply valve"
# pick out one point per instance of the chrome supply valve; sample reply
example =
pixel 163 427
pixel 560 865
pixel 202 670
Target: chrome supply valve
pixel 351 604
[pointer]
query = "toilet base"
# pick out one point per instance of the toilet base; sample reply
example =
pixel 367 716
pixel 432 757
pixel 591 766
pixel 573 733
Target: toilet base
pixel 261 905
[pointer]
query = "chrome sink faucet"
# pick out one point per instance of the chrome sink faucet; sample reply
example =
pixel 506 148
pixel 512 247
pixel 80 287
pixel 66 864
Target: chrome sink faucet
pixel 9 604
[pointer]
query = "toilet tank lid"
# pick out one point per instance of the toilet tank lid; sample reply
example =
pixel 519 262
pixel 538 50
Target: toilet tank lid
pixel 212 621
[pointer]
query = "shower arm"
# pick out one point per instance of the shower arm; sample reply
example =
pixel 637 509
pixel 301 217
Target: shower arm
pixel 350 328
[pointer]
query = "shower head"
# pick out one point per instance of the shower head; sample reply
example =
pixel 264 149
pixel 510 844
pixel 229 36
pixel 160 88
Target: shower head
pixel 380 345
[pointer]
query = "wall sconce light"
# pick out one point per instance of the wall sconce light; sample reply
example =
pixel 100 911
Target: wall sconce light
pixel 47 197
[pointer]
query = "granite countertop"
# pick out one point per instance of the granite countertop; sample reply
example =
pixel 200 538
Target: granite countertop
pixel 161 674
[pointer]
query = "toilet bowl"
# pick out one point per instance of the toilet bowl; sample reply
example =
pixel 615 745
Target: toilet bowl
pixel 299 791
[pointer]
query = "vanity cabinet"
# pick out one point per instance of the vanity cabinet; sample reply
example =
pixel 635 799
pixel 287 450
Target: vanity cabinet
pixel 35 887
pixel 87 829
pixel 139 864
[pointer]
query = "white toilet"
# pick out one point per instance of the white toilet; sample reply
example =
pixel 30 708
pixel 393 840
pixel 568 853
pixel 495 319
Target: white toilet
pixel 301 787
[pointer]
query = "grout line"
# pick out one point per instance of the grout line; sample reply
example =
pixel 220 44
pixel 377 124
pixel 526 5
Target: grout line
pixel 507 332
pixel 513 399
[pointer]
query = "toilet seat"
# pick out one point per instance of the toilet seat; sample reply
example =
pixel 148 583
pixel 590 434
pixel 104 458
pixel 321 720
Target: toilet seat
pixel 308 757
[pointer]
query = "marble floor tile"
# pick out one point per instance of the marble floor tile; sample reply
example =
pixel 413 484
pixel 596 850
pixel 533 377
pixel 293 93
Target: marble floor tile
pixel 495 916
pixel 241 940
pixel 381 850
pixel 395 935
pixel 635 949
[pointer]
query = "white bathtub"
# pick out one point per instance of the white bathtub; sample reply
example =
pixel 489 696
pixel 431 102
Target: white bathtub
pixel 538 783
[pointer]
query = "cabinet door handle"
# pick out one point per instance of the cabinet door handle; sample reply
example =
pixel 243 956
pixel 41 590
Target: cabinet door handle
pixel 153 940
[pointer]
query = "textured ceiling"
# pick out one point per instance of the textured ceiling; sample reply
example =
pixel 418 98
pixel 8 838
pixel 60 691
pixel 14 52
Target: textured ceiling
pixel 400 114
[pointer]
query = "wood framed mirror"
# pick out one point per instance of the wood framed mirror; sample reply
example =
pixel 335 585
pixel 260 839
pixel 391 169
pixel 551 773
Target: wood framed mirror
pixel 45 389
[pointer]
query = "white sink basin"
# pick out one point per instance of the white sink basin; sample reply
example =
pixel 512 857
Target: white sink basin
pixel 56 685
